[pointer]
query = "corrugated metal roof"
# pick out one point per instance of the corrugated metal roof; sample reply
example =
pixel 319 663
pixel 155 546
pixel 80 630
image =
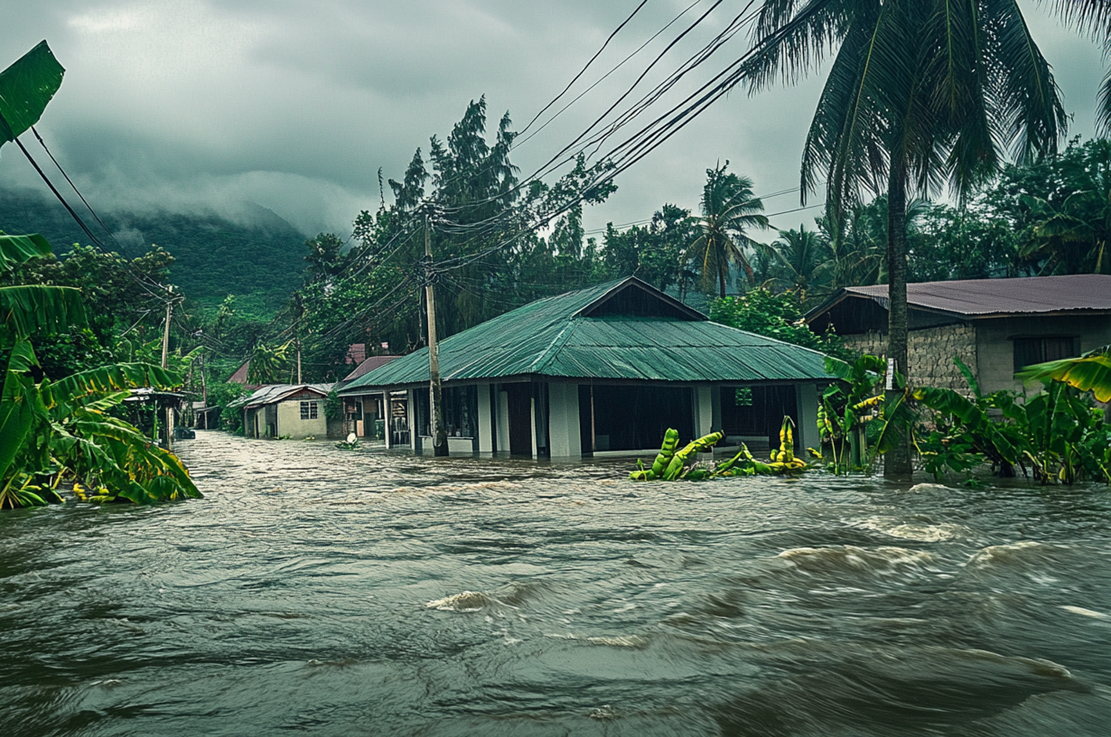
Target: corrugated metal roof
pixel 271 393
pixel 367 365
pixel 993 297
pixel 552 337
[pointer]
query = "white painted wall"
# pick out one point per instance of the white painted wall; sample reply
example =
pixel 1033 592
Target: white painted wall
pixel 291 424
pixel 563 421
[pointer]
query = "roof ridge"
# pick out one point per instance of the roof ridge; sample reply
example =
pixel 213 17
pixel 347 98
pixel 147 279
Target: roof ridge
pixel 548 354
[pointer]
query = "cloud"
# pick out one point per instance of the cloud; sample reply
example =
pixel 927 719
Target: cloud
pixel 296 105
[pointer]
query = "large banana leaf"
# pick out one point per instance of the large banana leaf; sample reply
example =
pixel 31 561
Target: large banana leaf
pixel 61 395
pixel 25 89
pixel 1090 372
pixel 18 249
pixel 25 309
pixel 17 404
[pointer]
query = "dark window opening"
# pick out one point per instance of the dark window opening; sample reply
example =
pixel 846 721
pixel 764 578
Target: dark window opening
pixel 1029 351
pixel 633 418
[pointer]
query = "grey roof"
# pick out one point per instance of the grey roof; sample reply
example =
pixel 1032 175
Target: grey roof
pixel 976 298
pixel 623 330
pixel 272 393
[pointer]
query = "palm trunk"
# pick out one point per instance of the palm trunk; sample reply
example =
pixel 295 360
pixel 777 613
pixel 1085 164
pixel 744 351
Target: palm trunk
pixel 897 461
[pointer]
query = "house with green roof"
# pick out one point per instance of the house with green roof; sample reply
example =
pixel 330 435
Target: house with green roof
pixel 602 370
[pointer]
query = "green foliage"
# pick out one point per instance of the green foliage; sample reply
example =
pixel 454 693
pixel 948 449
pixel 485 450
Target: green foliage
pixel 1054 436
pixel 333 406
pixel 25 89
pixel 50 429
pixel 776 316
pixel 845 408
pixel 271 365
pixel 728 210
pixel 1089 372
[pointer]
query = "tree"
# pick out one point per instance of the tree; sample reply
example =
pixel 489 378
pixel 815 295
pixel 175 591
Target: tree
pixel 728 209
pixel 1094 18
pixel 803 257
pixel 919 91
pixel 653 252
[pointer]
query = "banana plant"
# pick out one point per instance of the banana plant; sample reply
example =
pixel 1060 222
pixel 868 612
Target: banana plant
pixel 50 430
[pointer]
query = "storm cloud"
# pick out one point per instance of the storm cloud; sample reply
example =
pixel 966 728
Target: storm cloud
pixel 296 105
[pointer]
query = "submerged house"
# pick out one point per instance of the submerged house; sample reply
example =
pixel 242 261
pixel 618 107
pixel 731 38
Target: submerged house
pixel 601 370
pixel 295 411
pixel 995 326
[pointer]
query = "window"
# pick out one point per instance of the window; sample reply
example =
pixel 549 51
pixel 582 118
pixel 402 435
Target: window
pixel 1029 351
pixel 309 410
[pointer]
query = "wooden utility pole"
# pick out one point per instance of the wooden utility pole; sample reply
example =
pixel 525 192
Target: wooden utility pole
pixel 297 333
pixel 204 392
pixel 435 390
pixel 169 426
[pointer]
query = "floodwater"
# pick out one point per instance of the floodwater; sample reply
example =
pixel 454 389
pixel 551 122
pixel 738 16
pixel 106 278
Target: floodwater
pixel 330 592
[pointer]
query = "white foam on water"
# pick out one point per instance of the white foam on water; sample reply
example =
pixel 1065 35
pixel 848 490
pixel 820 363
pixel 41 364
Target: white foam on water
pixel 464 601
pixel 1085 612
pixel 917 531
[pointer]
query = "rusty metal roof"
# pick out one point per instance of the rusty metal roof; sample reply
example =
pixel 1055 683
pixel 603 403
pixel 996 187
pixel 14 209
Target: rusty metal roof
pixel 367 365
pixel 975 298
pixel 624 330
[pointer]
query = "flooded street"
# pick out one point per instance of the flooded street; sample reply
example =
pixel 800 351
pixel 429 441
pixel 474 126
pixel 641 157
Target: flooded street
pixel 328 592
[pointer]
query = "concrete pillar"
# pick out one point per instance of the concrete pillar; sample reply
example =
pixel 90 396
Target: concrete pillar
pixel 806 398
pixel 503 421
pixel 532 424
pixel 703 411
pixel 411 408
pixel 563 421
pixel 485 430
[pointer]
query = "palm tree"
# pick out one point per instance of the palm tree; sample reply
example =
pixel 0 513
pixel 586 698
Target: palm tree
pixel 1094 18
pixel 919 92
pixel 729 209
pixel 804 256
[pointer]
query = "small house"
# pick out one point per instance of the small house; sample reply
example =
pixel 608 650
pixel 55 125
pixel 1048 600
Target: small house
pixel 294 411
pixel 603 370
pixel 995 326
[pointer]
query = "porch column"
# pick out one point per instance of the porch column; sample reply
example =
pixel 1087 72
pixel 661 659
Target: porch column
pixel 703 410
pixel 411 408
pixel 806 399
pixel 563 421
pixel 485 431
pixel 503 420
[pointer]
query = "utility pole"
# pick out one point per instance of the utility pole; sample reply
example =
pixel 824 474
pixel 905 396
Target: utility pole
pixel 435 392
pixel 204 391
pixel 297 333
pixel 169 426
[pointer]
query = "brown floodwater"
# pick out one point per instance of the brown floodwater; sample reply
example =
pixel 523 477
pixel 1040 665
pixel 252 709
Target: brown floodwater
pixel 328 592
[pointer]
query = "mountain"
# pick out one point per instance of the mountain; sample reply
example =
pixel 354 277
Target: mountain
pixel 258 254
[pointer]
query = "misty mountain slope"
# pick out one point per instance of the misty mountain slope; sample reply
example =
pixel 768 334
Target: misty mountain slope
pixel 258 253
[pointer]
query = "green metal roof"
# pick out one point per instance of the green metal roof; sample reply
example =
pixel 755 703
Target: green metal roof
pixel 584 335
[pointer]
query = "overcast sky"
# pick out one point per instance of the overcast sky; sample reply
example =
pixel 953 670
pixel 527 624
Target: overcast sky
pixel 296 104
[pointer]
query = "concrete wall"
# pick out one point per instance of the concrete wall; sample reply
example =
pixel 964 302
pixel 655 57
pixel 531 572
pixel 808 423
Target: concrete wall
pixel 930 353
pixel 291 424
pixel 995 342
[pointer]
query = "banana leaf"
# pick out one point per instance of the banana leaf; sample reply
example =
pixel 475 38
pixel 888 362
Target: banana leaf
pixel 25 309
pixel 19 249
pixel 1090 372
pixel 25 89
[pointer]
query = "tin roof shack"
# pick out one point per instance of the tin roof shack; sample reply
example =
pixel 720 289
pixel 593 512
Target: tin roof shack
pixel 604 369
pixel 995 326
pixel 294 411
